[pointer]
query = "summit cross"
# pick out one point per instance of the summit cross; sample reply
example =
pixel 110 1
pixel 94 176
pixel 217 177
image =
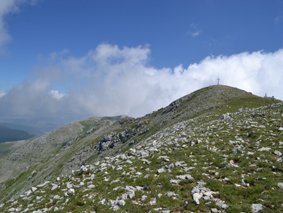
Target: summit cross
pixel 218 80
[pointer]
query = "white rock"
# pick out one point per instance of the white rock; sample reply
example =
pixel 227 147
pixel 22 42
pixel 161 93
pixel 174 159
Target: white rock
pixel 280 185
pixel 169 194
pixel 102 201
pixel 131 194
pixel 91 177
pixel 264 149
pixel 209 193
pixel 57 197
pixel 69 185
pixel 152 201
pixel 174 181
pixel 54 187
pixel 143 198
pixel 84 169
pixel 121 203
pixel 249 153
pixel 91 186
pixel 33 189
pixel 43 184
pixel 183 177
pixel 71 191
pixel 196 197
pixel 139 188
pixel 161 170
pixel 278 153
pixel 257 207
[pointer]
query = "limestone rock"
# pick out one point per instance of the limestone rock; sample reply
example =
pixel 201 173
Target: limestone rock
pixel 196 197
pixel 280 185
pixel 257 207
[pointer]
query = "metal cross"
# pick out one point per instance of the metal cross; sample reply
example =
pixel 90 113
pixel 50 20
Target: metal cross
pixel 218 80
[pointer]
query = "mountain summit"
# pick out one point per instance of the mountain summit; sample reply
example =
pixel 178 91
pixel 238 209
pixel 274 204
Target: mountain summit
pixel 217 149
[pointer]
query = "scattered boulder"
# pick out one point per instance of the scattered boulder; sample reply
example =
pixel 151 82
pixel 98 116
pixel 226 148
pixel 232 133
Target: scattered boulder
pixel 257 207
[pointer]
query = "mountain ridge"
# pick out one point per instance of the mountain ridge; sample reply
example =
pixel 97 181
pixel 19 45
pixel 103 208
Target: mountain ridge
pixel 106 139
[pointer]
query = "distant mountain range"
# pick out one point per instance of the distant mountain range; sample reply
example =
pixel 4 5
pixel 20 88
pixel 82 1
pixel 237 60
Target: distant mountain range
pixel 28 129
pixel 8 134
pixel 38 125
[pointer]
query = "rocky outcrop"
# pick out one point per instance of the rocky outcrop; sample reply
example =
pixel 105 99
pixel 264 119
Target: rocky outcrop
pixel 111 140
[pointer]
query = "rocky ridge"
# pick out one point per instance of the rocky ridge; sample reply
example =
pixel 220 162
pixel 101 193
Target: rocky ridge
pixel 230 162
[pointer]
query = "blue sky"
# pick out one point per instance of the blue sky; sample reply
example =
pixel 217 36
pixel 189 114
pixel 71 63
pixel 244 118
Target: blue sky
pixel 73 49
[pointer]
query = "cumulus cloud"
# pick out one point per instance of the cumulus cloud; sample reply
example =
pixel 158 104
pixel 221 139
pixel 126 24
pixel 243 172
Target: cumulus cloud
pixel 120 81
pixel 7 7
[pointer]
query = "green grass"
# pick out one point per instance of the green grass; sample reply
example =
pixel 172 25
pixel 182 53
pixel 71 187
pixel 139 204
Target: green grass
pixel 207 163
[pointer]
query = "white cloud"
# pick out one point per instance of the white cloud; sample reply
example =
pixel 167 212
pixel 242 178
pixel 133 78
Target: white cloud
pixel 2 93
pixel 55 55
pixel 195 34
pixel 7 7
pixel 55 94
pixel 194 30
pixel 119 81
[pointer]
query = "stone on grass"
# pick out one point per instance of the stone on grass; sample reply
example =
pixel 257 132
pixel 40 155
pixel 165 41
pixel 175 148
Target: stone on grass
pixel 196 197
pixel 43 184
pixel 71 191
pixel 33 189
pixel 102 201
pixel 174 181
pixel 169 194
pixel 143 198
pixel 91 186
pixel 249 153
pixel 131 194
pixel 121 203
pixel 54 187
pixel 152 201
pixel 184 177
pixel 257 207
pixel 276 152
pixel 69 185
pixel 280 185
pixel 161 170
pixel 264 149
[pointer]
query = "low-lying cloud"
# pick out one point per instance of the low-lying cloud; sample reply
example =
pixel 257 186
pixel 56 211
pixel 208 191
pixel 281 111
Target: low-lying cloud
pixel 120 81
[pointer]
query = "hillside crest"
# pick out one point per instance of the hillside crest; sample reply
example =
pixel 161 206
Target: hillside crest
pixel 200 127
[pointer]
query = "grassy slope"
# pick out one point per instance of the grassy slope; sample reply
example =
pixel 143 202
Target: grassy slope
pixel 207 164
pixel 213 101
